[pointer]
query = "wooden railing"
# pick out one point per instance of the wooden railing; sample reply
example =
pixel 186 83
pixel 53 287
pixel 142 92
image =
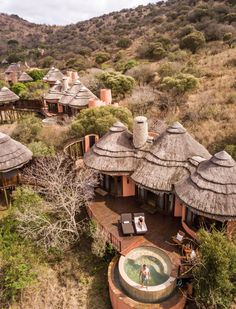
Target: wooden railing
pixel 74 148
pixel 113 239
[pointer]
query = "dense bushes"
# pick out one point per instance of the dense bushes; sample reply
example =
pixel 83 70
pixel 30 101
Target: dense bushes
pixel 36 74
pixel 152 51
pixel 193 41
pixel 214 275
pixel 30 90
pixel 40 149
pixel 102 57
pixel 180 83
pixel 124 43
pixel 99 120
pixel 118 83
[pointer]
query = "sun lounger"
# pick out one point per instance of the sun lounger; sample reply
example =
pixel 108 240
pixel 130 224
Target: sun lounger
pixel 140 228
pixel 126 224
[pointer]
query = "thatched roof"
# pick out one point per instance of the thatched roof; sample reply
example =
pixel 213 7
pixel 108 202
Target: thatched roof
pixel 7 96
pixel 13 67
pixel 167 161
pixel 114 153
pixel 24 77
pixel 53 75
pixel 211 189
pixel 77 96
pixel 13 154
pixel 54 93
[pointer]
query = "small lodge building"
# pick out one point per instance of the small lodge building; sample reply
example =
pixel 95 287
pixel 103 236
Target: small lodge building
pixel 13 156
pixel 7 112
pixel 53 76
pixel 13 72
pixel 148 166
pixel 25 78
pixel 208 195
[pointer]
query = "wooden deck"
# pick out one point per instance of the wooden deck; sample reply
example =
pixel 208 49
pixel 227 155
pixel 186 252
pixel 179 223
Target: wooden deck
pixel 107 210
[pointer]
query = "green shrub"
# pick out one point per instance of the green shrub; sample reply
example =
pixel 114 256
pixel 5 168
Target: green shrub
pixel 231 149
pixel 40 149
pixel 124 66
pixel 185 30
pixel 152 50
pixel 23 196
pixel 98 120
pixel 36 74
pixel 119 84
pixel 124 43
pixel 215 273
pixel 20 89
pixel 17 263
pixel 102 57
pixel 180 83
pixel 193 41
pixel 27 129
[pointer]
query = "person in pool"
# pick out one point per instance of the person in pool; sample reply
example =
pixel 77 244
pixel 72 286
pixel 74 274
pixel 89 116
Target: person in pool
pixel 144 275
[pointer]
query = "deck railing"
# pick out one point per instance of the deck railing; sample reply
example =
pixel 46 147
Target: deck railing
pixel 114 240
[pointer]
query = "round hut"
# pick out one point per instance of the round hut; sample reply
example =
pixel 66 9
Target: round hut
pixel 115 157
pixel 53 75
pixel 208 196
pixel 7 97
pixel 13 155
pixel 166 162
pixel 24 78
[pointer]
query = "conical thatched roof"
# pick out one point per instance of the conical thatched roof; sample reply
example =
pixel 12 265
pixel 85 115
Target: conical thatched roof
pixel 168 159
pixel 211 189
pixel 7 96
pixel 13 154
pixel 54 93
pixel 114 153
pixel 77 96
pixel 24 77
pixel 14 67
pixel 53 75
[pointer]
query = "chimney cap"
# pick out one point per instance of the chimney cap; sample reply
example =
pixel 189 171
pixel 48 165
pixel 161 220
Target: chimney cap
pixel 140 119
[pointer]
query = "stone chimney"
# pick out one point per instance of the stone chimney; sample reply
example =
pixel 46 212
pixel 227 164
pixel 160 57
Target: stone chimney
pixel 65 85
pixel 74 76
pixel 140 131
pixel 105 96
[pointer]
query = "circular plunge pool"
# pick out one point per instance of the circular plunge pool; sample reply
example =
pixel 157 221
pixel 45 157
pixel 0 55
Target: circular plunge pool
pixel 160 285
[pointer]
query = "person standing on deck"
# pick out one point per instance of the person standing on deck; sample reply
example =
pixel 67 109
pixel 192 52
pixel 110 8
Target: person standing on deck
pixel 144 275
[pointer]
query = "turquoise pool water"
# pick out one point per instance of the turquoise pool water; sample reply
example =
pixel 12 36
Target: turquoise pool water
pixel 157 274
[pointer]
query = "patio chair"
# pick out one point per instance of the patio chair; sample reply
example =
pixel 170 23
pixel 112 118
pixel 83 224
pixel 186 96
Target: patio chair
pixel 178 238
pixel 126 224
pixel 139 223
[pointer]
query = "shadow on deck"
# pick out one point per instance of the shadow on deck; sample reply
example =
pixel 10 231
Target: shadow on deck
pixel 107 210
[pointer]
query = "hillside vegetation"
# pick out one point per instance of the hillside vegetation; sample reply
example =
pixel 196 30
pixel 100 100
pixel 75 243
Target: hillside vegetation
pixel 181 55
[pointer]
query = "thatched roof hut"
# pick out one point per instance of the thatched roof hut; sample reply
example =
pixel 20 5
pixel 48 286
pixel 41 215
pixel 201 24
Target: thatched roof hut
pixel 114 153
pixel 53 75
pixel 54 93
pixel 167 161
pixel 77 96
pixel 24 77
pixel 211 190
pixel 13 68
pixel 7 96
pixel 13 154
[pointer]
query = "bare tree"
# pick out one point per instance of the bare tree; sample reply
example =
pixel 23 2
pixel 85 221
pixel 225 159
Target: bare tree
pixel 56 222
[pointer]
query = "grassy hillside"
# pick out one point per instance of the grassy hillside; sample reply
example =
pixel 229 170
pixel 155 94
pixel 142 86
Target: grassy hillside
pixel 181 54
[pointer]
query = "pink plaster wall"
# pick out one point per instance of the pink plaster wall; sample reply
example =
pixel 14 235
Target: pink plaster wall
pixel 86 141
pixel 178 208
pixel 60 108
pixel 105 96
pixel 185 226
pixel 128 186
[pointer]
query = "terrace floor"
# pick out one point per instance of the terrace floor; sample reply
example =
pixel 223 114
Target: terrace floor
pixel 107 210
